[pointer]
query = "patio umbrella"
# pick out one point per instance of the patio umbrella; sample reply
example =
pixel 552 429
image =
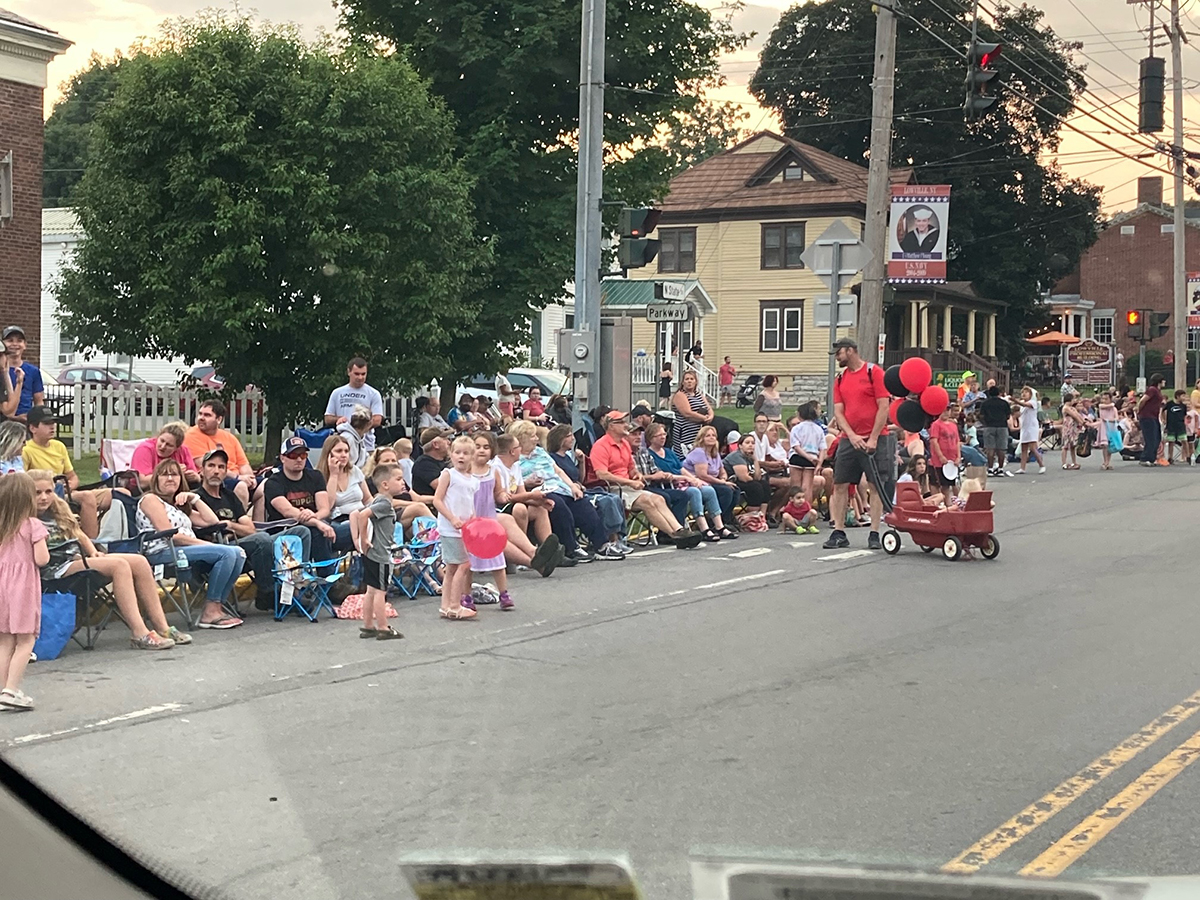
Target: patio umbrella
pixel 1053 339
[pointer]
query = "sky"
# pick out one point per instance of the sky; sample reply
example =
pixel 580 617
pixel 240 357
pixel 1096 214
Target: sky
pixel 1108 30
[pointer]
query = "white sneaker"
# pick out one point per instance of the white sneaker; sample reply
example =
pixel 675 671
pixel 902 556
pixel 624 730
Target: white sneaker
pixel 1041 470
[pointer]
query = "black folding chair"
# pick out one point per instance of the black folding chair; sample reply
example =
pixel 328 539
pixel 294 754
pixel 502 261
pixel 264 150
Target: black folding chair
pixel 92 598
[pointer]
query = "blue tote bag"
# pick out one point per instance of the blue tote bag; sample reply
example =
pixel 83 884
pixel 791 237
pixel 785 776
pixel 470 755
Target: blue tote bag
pixel 58 624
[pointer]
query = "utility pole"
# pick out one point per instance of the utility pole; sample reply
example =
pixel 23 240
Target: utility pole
pixel 879 188
pixel 1180 330
pixel 589 192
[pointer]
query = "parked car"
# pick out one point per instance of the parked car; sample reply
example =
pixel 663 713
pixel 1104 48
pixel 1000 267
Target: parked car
pixel 550 381
pixel 60 399
pixel 122 380
pixel 241 415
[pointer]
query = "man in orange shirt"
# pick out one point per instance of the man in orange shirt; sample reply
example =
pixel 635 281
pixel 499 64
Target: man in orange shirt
pixel 612 459
pixel 207 434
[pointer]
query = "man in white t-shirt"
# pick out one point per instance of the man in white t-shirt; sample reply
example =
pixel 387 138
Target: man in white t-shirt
pixel 355 392
pixel 507 399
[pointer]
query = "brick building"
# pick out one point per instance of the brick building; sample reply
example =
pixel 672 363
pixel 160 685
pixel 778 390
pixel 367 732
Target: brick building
pixel 26 48
pixel 1131 266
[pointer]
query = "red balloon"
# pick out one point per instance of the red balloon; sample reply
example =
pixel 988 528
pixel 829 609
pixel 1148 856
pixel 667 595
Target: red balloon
pixel 484 538
pixel 892 411
pixel 934 399
pixel 915 374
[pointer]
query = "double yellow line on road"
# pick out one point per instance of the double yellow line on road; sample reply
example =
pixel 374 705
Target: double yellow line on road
pixel 1103 820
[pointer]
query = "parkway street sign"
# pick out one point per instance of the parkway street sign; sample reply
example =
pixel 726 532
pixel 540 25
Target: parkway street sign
pixel 668 312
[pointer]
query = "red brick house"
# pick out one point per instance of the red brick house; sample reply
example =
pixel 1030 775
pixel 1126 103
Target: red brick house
pixel 1131 266
pixel 26 48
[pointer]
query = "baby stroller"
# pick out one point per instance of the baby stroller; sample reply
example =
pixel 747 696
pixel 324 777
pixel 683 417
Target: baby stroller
pixel 748 391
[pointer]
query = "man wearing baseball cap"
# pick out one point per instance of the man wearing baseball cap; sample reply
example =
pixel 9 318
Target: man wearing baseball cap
pixel 26 378
pixel 298 492
pixel 228 508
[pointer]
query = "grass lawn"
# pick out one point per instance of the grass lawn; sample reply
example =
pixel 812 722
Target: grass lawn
pixel 88 468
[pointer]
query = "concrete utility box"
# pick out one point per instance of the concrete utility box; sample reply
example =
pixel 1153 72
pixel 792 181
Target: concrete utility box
pixel 616 362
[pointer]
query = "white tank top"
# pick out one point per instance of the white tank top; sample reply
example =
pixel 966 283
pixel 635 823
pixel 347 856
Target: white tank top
pixel 460 499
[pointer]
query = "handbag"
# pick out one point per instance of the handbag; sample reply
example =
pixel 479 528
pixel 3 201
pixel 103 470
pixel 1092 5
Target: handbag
pixel 58 624
pixel 1083 446
pixel 1116 442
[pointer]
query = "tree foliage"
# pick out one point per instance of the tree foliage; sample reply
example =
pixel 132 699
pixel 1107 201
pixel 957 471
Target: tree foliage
pixel 69 126
pixel 275 207
pixel 1017 221
pixel 509 70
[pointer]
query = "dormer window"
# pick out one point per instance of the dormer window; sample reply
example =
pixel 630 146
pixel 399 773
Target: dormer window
pixel 793 173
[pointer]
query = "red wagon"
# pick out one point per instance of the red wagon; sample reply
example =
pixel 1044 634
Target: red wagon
pixel 931 527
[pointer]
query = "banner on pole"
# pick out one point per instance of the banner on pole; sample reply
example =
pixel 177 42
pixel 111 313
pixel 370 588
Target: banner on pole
pixel 1193 299
pixel 920 218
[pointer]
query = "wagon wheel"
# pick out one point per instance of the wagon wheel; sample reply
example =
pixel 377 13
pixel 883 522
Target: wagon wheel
pixel 925 549
pixel 891 542
pixel 991 549
pixel 952 548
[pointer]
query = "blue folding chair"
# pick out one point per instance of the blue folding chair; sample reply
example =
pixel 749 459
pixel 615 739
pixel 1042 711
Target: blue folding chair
pixel 298 586
pixel 417 560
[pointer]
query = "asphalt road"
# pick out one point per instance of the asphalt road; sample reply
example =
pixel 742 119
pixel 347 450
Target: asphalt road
pixel 749 697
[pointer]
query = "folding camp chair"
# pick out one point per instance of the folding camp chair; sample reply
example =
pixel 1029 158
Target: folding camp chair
pixel 298 586
pixel 417 560
pixel 93 599
pixel 116 455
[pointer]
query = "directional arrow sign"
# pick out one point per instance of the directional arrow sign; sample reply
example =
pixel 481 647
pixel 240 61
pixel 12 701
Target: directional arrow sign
pixel 819 256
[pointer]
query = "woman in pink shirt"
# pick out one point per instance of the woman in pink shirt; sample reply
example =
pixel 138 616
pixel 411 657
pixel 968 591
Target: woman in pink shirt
pixel 167 445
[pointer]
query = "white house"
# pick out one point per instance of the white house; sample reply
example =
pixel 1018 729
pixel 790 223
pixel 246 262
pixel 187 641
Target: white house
pixel 60 234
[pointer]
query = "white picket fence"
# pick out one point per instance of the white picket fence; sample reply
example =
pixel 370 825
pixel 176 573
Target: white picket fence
pixel 93 412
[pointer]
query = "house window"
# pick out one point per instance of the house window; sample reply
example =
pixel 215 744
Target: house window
pixel 781 325
pixel 681 337
pixel 1166 229
pixel 782 245
pixel 66 349
pixel 793 173
pixel 569 321
pixel 1127 229
pixel 1194 339
pixel 677 252
pixel 1102 329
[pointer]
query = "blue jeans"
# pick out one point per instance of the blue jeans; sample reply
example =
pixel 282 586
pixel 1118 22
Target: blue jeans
pixel 611 509
pixel 223 561
pixel 677 501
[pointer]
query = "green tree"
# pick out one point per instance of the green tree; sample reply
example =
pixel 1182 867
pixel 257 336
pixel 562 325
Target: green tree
pixel 69 125
pixel 276 207
pixel 1017 223
pixel 509 70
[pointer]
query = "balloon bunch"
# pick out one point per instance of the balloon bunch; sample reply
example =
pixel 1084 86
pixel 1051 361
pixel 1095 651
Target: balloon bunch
pixel 912 377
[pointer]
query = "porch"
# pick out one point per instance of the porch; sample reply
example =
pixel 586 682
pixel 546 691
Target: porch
pixel 950 325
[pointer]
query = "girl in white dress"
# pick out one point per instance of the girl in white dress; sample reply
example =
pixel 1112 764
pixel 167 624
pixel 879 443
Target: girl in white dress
pixel 1030 430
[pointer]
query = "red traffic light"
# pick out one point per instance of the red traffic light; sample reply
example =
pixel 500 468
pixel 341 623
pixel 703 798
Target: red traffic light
pixel 990 56
pixel 1133 317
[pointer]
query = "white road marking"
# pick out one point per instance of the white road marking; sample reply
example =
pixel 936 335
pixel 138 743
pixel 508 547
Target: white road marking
pixel 847 554
pixel 753 551
pixel 124 717
pixel 799 544
pixel 638 553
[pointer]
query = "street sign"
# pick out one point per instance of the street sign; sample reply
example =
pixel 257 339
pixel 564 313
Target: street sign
pixel 819 257
pixel 668 312
pixel 847 308
pixel 670 290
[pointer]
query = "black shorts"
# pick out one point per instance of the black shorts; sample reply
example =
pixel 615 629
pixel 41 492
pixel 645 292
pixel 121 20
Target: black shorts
pixel 938 479
pixel 377 574
pixel 851 464
pixel 802 462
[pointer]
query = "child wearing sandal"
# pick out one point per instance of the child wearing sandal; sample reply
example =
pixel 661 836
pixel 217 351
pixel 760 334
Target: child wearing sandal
pixel 454 499
pixel 373 529
pixel 23 552
pixel 488 489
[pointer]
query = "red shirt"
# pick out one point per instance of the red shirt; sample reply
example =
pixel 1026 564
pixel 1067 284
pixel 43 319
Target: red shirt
pixel 797 512
pixel 534 408
pixel 1152 405
pixel 726 373
pixel 859 393
pixel 943 439
pixel 613 457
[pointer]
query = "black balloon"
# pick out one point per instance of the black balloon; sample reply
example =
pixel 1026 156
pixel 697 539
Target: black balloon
pixel 891 381
pixel 910 416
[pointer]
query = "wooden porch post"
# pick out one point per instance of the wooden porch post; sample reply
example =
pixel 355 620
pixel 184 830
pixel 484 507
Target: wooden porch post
pixel 914 325
pixel 970 331
pixel 947 327
pixel 923 334
pixel 990 346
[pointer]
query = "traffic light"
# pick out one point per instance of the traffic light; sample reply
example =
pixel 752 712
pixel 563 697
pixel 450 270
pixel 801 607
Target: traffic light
pixel 636 249
pixel 980 59
pixel 1158 324
pixel 1136 329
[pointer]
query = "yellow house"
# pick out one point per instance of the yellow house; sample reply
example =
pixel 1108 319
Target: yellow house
pixel 737 223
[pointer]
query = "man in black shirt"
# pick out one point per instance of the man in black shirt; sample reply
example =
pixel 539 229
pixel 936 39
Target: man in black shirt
pixel 428 468
pixel 259 545
pixel 993 414
pixel 298 492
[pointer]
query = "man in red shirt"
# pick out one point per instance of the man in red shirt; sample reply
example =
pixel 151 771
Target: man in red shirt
pixel 725 376
pixel 1148 410
pixel 612 459
pixel 860 405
